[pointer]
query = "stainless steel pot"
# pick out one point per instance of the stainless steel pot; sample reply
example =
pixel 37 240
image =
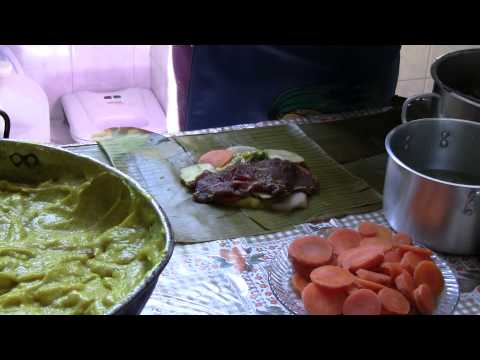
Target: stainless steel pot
pixel 432 183
pixel 456 92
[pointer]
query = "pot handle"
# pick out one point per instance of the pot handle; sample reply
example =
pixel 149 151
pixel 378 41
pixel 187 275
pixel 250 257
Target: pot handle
pixel 411 101
pixel 6 119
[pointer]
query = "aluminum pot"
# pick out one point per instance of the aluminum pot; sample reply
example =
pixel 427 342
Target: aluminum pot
pixel 456 91
pixel 27 162
pixel 432 183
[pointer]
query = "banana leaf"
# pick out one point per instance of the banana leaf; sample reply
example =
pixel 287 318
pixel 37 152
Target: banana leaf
pixel 353 139
pixel 340 191
pixel 156 161
pixel 371 169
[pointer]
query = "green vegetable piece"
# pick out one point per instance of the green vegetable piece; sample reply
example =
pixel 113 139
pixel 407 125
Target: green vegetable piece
pixel 249 202
pixel 235 150
pixel 189 174
pixel 244 157
pixel 284 155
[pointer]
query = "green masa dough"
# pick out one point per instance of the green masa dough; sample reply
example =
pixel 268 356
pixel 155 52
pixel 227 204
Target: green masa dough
pixel 74 246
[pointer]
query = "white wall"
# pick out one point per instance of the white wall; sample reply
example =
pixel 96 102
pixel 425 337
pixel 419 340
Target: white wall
pixel 159 75
pixel 62 69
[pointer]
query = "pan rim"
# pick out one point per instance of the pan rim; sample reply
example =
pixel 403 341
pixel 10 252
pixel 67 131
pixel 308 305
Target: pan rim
pixel 399 162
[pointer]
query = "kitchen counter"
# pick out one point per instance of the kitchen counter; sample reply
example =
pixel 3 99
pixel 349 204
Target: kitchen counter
pixel 231 276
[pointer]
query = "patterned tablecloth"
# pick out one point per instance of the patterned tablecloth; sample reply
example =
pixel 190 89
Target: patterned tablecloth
pixel 231 276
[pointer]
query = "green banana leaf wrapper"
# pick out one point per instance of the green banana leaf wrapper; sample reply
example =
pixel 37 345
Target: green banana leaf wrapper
pixel 156 162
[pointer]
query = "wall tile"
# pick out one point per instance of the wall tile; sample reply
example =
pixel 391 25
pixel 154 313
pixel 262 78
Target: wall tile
pixel 102 67
pixel 428 85
pixel 407 88
pixel 413 61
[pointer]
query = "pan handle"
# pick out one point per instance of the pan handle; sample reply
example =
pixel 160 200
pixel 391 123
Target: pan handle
pixel 432 98
pixel 6 119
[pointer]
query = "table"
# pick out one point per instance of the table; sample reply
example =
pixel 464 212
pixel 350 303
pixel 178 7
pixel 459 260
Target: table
pixel 230 276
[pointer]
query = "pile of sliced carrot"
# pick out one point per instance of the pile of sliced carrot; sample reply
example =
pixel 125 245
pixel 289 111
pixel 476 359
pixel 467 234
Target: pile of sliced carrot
pixel 368 271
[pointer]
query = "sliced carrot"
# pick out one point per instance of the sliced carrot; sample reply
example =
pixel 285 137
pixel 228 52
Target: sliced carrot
pixel 377 241
pixel 416 249
pixel 386 312
pixel 367 229
pixel 427 272
pixel 374 276
pixel 310 251
pixel 384 232
pixel 392 269
pixel 333 260
pixel 345 255
pixel 402 239
pixel 217 158
pixel 352 288
pixel 410 261
pixel 318 301
pixel 331 277
pixel 366 284
pixel 301 269
pixel 344 239
pixel 362 302
pixel 405 284
pixel 424 299
pixel 364 257
pixel 299 283
pixel 393 255
pixel 394 301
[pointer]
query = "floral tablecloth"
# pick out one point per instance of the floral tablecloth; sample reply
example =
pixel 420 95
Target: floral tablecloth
pixel 231 276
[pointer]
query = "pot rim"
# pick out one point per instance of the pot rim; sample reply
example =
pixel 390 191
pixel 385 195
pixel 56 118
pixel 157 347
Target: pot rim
pixel 392 155
pixel 455 93
pixel 169 240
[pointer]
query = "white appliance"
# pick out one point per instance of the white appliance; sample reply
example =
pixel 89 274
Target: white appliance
pixel 89 112
pixel 24 101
